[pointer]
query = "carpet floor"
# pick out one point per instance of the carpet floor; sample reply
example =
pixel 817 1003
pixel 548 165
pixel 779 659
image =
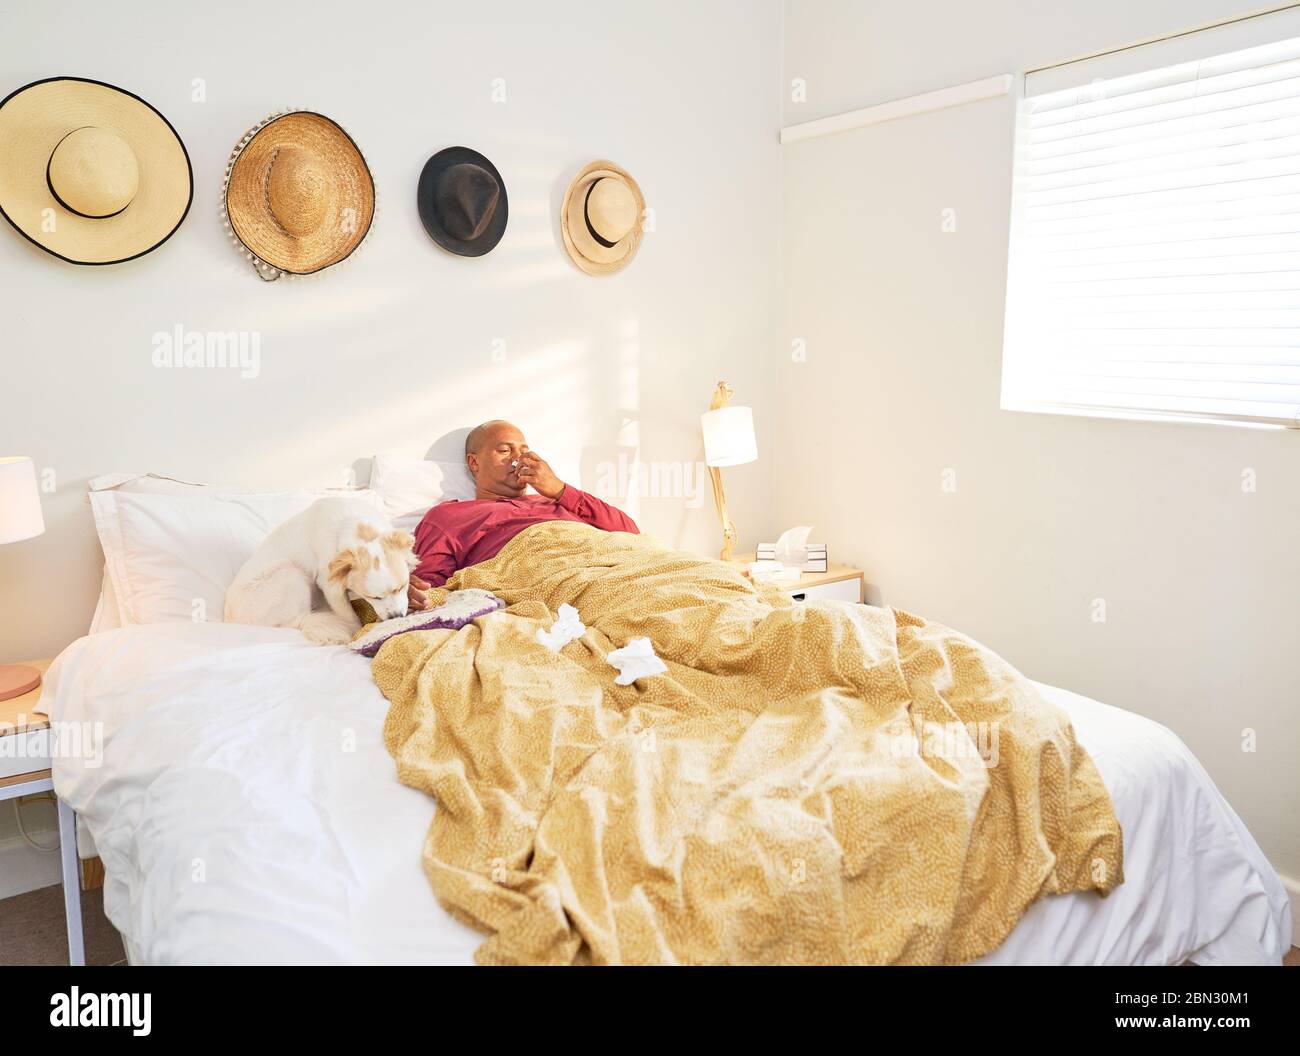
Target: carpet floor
pixel 32 929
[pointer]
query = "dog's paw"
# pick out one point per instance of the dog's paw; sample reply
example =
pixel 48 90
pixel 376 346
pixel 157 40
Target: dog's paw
pixel 323 628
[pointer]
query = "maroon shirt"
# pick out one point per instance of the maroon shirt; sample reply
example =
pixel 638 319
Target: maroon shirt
pixel 456 534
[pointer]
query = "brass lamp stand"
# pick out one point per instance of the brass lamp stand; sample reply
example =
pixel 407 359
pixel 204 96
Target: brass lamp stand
pixel 728 441
pixel 721 398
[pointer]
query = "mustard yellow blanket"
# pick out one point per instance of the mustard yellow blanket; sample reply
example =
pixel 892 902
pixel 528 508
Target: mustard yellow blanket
pixel 808 783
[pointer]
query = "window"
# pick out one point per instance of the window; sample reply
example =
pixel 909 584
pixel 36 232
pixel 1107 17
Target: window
pixel 1155 236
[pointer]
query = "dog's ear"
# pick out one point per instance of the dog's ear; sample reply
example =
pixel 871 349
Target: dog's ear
pixel 403 543
pixel 345 562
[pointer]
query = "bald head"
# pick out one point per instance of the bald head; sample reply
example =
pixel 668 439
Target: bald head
pixel 491 450
pixel 482 434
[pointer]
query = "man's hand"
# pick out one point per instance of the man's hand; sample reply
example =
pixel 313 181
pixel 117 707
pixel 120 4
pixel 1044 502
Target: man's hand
pixel 533 470
pixel 415 599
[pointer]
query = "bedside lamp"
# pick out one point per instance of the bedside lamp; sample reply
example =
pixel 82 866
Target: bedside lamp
pixel 728 441
pixel 20 518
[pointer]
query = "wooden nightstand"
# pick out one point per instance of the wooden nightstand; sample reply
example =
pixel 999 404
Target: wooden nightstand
pixel 24 770
pixel 839 583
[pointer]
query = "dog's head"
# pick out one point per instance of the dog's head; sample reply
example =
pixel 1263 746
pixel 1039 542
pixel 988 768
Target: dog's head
pixel 377 568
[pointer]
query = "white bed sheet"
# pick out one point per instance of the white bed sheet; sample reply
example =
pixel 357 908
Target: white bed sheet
pixel 247 812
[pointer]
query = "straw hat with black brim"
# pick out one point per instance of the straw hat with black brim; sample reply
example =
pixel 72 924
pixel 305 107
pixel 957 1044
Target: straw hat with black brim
pixel 299 196
pixel 91 173
pixel 601 218
pixel 462 201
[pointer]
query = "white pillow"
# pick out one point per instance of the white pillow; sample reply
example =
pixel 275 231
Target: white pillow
pixel 153 483
pixel 108 614
pixel 170 558
pixel 408 487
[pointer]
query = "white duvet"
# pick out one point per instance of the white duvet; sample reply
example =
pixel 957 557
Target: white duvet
pixel 247 812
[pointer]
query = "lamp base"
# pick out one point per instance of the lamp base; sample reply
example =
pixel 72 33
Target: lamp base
pixel 17 679
pixel 728 543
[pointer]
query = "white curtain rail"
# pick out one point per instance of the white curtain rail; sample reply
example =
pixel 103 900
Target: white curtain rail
pixel 941 99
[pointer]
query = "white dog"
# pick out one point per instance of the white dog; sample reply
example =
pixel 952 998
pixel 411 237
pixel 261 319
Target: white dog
pixel 334 548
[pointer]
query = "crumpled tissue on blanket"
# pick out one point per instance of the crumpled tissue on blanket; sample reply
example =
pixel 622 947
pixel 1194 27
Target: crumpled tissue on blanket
pixel 566 628
pixel 635 660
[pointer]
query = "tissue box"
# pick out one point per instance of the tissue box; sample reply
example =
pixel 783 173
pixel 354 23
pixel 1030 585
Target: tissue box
pixel 815 559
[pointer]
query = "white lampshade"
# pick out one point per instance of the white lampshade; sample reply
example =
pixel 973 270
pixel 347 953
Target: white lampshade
pixel 729 436
pixel 20 500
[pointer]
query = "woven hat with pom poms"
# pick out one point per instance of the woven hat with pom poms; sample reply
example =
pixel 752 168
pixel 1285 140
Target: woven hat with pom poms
pixel 298 196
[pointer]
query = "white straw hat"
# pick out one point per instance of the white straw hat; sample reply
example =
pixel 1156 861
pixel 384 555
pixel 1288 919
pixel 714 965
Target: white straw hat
pixel 91 173
pixel 602 218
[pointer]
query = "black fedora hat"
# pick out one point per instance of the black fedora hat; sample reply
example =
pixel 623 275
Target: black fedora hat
pixel 462 201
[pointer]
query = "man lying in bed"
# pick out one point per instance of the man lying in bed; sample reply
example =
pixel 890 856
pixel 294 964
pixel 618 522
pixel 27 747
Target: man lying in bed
pixel 456 534
pixel 817 782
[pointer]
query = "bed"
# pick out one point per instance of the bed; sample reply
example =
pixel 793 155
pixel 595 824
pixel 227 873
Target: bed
pixel 247 812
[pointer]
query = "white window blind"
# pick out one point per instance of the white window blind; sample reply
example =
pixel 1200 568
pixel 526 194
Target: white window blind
pixel 1155 240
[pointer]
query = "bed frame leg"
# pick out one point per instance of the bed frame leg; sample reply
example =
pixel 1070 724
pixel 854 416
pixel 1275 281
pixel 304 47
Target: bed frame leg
pixel 71 884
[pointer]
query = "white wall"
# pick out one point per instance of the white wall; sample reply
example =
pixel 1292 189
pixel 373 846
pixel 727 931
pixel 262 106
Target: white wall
pixel 685 96
pixel 903 325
